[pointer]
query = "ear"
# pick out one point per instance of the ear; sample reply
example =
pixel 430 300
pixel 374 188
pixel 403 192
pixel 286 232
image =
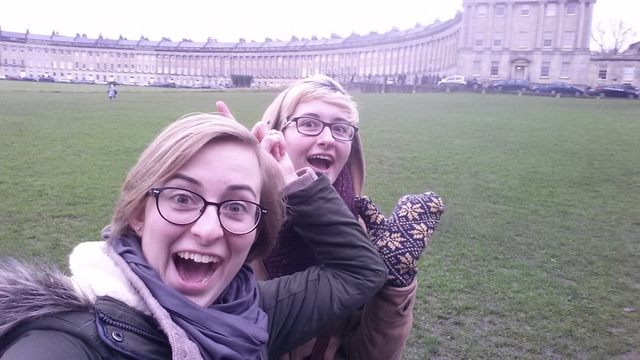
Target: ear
pixel 137 223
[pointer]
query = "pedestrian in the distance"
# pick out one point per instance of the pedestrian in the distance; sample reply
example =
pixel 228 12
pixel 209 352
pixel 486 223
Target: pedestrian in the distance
pixel 112 91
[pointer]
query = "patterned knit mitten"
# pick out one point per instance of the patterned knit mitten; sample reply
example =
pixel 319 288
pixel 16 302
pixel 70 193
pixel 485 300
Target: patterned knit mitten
pixel 402 237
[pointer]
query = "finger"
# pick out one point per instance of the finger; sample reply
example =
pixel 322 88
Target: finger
pixel 272 145
pixel 282 143
pixel 224 109
pixel 363 204
pixel 260 130
pixel 368 211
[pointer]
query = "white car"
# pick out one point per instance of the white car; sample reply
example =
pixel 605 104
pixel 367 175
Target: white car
pixel 454 80
pixel 460 81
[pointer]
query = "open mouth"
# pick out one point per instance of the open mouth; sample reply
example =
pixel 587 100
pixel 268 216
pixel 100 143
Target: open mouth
pixel 195 268
pixel 320 162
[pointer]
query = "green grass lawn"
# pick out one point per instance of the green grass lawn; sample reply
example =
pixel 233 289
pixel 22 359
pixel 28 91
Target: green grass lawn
pixel 537 254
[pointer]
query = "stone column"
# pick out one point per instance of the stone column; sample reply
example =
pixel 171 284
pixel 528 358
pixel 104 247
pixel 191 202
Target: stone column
pixel 488 34
pixel 560 21
pixel 579 38
pixel 466 13
pixel 506 34
pixel 542 7
pixel 473 12
pixel 588 18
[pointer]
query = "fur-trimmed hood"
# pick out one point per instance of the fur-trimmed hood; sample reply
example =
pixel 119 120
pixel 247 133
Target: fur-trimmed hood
pixel 30 290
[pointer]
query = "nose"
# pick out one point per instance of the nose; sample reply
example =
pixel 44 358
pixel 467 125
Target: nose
pixel 208 227
pixel 325 137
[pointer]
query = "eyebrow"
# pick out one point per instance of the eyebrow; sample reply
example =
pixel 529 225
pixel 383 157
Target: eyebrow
pixel 310 114
pixel 232 187
pixel 186 178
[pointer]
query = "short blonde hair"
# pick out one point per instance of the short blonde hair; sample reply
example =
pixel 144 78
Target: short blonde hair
pixel 174 147
pixel 324 88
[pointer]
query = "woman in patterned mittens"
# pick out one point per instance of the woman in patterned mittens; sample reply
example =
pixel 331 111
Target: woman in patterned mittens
pixel 318 120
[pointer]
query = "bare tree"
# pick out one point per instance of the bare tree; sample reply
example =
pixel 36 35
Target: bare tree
pixel 614 38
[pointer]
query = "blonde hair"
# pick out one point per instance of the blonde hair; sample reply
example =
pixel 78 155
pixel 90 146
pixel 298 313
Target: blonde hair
pixel 174 147
pixel 324 88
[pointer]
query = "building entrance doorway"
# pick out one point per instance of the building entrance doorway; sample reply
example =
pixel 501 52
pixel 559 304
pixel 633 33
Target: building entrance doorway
pixel 519 73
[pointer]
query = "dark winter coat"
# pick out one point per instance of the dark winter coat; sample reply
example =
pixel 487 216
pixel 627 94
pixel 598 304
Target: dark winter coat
pixel 53 321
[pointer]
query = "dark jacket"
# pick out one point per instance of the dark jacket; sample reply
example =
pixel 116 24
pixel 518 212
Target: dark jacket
pixel 299 306
pixel 112 330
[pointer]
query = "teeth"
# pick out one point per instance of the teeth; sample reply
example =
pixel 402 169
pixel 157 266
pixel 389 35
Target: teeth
pixel 199 258
pixel 321 157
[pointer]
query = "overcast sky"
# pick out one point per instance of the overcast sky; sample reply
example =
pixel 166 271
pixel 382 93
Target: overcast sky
pixel 229 20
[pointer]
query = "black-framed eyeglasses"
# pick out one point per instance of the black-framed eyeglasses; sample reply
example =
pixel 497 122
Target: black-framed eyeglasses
pixel 183 207
pixel 313 127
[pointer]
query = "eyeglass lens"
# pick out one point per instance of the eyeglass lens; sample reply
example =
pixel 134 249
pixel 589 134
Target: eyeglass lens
pixel 312 126
pixel 183 207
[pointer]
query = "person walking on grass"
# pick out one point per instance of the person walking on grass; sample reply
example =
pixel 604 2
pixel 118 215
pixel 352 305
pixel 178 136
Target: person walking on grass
pixel 112 92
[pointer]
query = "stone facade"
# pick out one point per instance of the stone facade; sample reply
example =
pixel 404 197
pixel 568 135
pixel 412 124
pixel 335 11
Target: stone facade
pixel 622 68
pixel 542 41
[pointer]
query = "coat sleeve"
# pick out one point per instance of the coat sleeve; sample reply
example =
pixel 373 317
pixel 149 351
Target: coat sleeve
pixel 47 345
pixel 305 304
pixel 381 329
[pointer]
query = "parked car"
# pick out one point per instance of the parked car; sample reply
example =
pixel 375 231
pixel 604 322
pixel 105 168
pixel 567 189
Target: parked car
pixel 157 84
pixel 511 84
pixel 28 78
pixel 460 81
pixel 615 90
pixel 558 87
pixel 46 79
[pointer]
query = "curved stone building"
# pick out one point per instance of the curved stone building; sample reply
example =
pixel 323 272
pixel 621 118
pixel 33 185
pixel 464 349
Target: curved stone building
pixel 542 41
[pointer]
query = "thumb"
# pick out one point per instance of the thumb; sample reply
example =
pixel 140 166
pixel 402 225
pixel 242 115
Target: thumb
pixel 260 130
pixel 373 219
pixel 224 110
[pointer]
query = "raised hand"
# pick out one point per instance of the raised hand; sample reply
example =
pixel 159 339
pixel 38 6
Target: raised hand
pixel 273 142
pixel 402 237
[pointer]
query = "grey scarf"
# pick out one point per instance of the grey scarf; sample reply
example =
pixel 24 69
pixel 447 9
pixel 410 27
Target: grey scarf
pixel 234 327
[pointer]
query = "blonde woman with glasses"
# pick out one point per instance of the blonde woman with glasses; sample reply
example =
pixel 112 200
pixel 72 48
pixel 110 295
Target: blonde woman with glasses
pixel 172 279
pixel 319 123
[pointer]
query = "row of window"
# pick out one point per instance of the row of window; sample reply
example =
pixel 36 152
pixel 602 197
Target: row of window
pixel 262 72
pixel 628 73
pixel 323 57
pixel 148 80
pixel 525 10
pixel 523 39
pixel 565 69
pixel 163 68
pixel 162 65
pixel 545 69
pixel 171 66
